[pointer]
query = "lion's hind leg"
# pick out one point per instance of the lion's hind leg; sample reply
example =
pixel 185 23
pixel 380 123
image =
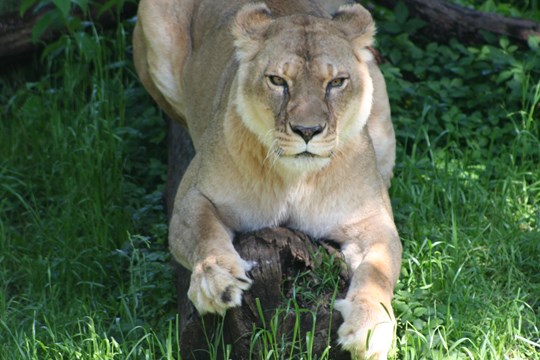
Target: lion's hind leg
pixel 161 45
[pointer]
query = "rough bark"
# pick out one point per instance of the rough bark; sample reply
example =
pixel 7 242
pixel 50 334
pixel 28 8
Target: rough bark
pixel 16 33
pixel 446 20
pixel 280 254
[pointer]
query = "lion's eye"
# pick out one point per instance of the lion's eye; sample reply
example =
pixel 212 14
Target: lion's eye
pixel 277 81
pixel 336 83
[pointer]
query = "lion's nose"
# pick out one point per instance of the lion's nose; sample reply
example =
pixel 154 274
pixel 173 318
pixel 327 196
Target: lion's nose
pixel 307 132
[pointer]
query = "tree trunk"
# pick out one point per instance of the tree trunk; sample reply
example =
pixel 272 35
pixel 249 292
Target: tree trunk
pixel 280 254
pixel 445 20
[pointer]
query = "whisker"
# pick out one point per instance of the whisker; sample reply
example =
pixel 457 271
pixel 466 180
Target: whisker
pixel 276 154
pixel 269 134
pixel 272 154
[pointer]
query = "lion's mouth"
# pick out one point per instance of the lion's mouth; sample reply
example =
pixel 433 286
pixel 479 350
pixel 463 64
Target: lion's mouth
pixel 306 154
pixel 305 162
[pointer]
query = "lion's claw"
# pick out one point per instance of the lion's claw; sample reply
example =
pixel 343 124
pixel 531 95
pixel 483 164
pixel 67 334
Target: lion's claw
pixel 217 283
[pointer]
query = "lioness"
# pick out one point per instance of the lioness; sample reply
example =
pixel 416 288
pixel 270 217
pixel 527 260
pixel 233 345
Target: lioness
pixel 291 125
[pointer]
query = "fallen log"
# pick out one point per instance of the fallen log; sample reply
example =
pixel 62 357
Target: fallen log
pixel 281 254
pixel 16 33
pixel 445 20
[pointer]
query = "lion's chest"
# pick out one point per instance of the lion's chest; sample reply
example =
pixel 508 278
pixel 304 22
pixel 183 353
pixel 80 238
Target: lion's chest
pixel 303 207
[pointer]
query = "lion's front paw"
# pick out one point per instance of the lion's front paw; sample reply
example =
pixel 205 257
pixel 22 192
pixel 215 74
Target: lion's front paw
pixel 368 328
pixel 217 283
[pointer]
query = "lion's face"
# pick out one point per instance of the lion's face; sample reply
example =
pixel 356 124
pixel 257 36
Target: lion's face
pixel 304 87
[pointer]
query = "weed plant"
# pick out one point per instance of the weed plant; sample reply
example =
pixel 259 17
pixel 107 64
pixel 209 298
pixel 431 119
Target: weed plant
pixel 84 270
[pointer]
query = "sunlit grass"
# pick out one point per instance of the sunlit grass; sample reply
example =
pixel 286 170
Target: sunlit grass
pixel 470 283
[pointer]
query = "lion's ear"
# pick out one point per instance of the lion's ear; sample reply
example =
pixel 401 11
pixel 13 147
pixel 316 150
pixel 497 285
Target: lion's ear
pixel 356 22
pixel 249 28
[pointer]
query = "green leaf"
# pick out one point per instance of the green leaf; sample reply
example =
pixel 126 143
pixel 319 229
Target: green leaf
pixel 25 5
pixel 109 5
pixel 401 12
pixel 533 41
pixel 504 42
pixel 415 24
pixel 82 4
pixel 63 5
pixel 53 49
pixel 86 45
pixel 488 36
pixel 420 311
pixel 43 24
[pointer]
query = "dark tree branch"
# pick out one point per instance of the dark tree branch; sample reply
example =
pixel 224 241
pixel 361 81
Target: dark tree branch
pixel 445 20
pixel 16 33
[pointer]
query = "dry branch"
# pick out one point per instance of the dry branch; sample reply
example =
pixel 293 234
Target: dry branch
pixel 445 20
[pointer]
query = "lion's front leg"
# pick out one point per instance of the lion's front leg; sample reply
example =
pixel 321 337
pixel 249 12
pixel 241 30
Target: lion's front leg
pixel 203 244
pixel 373 250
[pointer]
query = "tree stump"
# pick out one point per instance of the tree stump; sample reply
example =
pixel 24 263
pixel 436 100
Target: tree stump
pixel 280 254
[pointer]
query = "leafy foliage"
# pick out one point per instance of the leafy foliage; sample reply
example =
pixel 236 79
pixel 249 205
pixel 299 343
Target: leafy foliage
pixel 467 120
pixel 518 8
pixel 68 15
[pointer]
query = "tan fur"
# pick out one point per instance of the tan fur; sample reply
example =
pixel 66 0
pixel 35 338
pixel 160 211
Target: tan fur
pixel 315 154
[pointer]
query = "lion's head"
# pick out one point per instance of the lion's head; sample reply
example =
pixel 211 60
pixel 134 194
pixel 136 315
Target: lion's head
pixel 304 87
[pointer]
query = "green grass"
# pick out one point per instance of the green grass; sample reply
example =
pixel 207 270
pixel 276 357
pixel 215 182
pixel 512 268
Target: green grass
pixel 78 139
pixel 84 270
